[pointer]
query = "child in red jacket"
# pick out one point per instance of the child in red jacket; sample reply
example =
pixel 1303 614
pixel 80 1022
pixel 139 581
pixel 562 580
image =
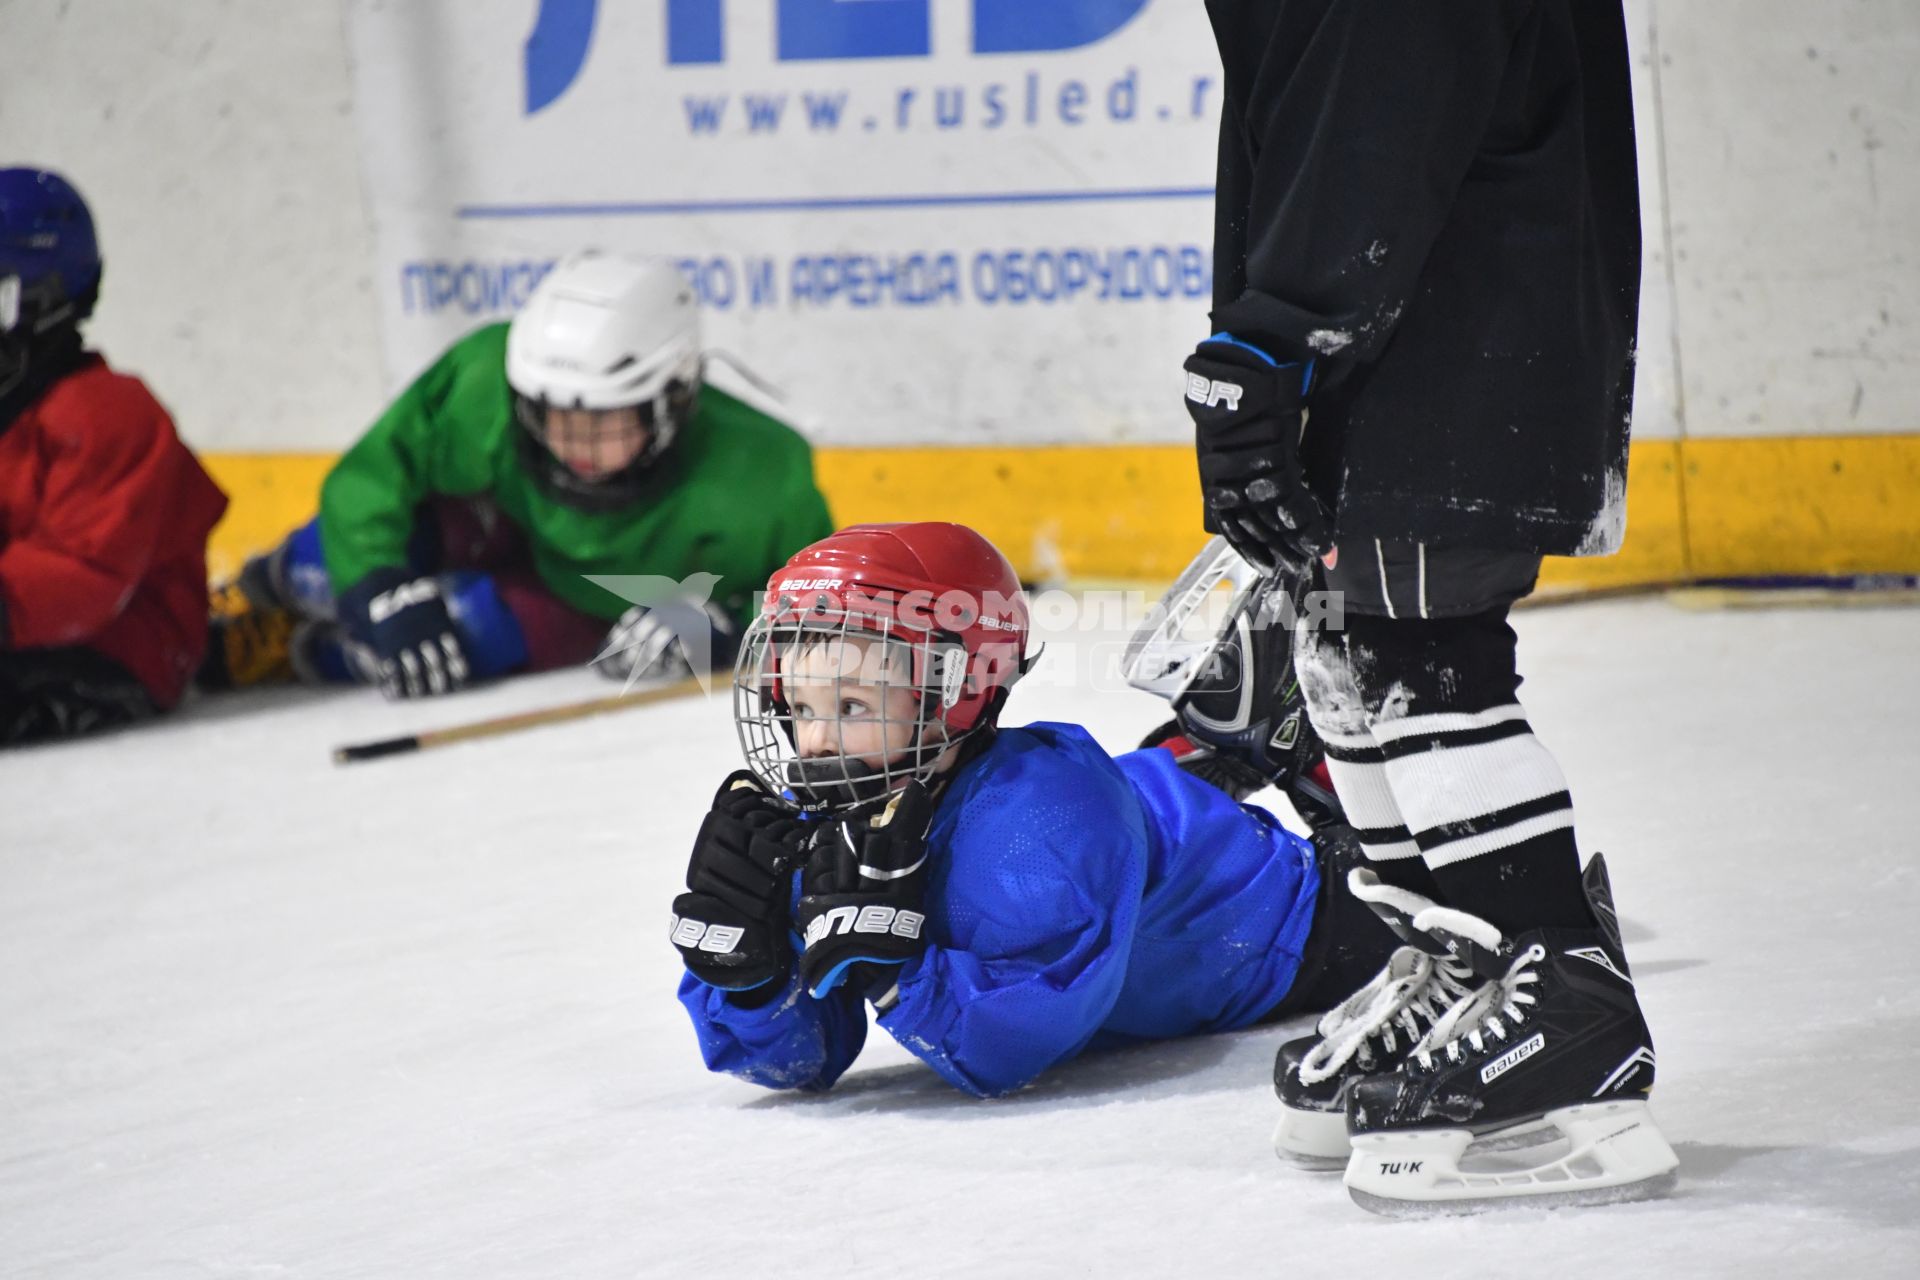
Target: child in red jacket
pixel 104 514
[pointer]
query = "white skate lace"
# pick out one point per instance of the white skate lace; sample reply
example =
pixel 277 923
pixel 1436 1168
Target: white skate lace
pixel 1403 1000
pixel 1484 1013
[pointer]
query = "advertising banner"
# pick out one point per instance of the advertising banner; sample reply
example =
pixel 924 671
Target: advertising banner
pixel 924 221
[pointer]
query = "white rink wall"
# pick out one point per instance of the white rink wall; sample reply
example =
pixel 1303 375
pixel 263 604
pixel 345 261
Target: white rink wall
pixel 1792 137
pixel 215 141
pixel 265 173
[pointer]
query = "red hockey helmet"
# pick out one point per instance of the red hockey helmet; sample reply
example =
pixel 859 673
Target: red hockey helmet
pixel 931 608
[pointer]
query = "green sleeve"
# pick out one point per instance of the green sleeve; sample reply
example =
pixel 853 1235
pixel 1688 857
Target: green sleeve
pixel 750 478
pixel 798 517
pixel 437 438
pixel 804 517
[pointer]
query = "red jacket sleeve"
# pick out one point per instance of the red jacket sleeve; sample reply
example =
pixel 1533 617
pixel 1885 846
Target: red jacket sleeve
pixel 112 470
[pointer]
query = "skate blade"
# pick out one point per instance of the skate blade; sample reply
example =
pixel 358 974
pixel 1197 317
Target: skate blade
pixel 1518 1138
pixel 1314 1140
pixel 1654 1188
pixel 1593 1153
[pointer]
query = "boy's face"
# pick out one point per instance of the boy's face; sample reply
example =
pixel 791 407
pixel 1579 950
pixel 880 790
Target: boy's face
pixel 851 696
pixel 593 443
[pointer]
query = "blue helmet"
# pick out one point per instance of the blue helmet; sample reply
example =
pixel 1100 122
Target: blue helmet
pixel 47 250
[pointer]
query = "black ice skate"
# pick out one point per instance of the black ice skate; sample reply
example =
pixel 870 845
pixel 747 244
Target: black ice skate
pixel 1533 1089
pixel 1371 1031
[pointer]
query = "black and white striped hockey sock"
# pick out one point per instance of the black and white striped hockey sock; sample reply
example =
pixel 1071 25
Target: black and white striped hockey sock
pixel 1355 762
pixel 1482 799
pixel 1490 813
pixel 1357 766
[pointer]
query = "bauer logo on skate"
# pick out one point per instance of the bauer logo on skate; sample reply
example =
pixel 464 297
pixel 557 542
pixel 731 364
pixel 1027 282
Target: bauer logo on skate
pixel 1513 1058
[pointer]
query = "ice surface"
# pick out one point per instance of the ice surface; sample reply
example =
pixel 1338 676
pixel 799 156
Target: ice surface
pixel 260 1016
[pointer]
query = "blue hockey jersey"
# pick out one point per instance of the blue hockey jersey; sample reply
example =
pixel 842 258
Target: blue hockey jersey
pixel 1075 901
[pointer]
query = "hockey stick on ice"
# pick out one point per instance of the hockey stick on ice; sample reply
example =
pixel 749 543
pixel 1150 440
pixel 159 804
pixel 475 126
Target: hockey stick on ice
pixel 514 723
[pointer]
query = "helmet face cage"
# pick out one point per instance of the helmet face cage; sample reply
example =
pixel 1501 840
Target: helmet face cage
pixel 13 347
pixel 846 669
pixel 662 417
pixel 36 317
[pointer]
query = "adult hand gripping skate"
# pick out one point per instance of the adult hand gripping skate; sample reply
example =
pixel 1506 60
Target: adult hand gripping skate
pixel 1248 412
pixel 1532 1089
pixel 730 925
pixel 863 905
pixel 403 619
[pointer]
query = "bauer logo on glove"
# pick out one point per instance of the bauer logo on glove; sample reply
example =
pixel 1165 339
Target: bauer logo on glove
pixel 731 924
pixel 1211 392
pixel 862 909
pixel 905 924
pixel 1248 411
pixel 697 935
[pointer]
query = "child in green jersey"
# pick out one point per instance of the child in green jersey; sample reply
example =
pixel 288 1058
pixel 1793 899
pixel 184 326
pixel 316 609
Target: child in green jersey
pixel 462 536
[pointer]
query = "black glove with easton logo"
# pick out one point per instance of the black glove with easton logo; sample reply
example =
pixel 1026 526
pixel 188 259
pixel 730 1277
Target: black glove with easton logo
pixel 403 618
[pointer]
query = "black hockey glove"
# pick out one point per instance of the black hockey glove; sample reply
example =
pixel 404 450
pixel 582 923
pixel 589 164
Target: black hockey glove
pixel 731 924
pixel 863 904
pixel 403 619
pixel 1247 415
pixel 668 641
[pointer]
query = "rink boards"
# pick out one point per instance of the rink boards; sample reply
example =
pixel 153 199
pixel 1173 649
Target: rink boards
pixel 1697 508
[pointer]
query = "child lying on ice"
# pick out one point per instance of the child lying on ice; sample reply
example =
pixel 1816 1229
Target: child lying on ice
pixel 1004 898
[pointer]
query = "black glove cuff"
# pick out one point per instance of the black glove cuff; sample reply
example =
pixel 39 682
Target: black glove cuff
pixel 767 992
pixel 1228 381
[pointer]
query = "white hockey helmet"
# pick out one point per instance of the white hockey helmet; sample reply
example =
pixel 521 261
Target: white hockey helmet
pixel 606 331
